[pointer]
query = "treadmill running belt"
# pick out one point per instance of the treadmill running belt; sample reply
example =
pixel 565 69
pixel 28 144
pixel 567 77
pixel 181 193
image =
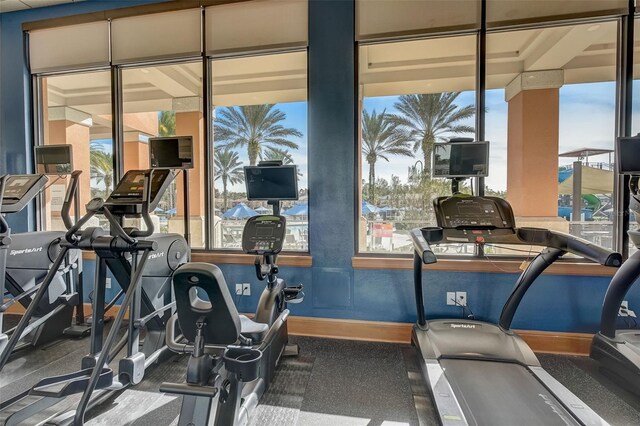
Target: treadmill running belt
pixel 503 394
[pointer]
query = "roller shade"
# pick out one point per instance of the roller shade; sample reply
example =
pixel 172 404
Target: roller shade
pixel 509 12
pixel 157 36
pixel 69 47
pixel 256 25
pixel 379 18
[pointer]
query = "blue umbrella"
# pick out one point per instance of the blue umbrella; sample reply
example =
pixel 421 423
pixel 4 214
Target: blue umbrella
pixel 171 211
pixel 239 211
pixel 262 210
pixel 368 208
pixel 158 210
pixel 297 210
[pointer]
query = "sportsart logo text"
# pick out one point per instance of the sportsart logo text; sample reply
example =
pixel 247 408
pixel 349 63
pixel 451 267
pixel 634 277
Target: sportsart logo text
pixel 156 255
pixel 463 325
pixel 25 251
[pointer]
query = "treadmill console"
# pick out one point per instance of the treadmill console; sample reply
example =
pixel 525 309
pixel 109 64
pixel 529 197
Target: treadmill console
pixel 264 235
pixel 19 190
pixel 473 213
pixel 128 197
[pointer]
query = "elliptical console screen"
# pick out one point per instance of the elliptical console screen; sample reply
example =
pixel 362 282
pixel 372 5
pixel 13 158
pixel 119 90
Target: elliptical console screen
pixel 461 159
pixel 271 182
pixel 54 159
pixel 17 186
pixel 473 213
pixel 171 153
pixel 629 155
pixel 264 235
pixel 132 184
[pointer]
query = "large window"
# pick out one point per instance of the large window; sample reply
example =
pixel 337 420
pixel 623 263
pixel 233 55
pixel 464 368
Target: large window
pixel 260 113
pixel 412 95
pixel 166 100
pixel 76 110
pixel 551 121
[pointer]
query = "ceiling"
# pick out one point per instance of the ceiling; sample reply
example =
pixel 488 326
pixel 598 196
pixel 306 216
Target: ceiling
pixel 13 5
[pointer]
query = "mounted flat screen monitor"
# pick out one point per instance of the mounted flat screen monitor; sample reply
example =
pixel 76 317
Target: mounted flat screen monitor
pixel 271 182
pixel 629 155
pixel 461 159
pixel 54 159
pixel 171 152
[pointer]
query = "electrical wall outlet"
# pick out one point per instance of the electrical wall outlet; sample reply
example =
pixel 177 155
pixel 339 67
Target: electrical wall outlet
pixel 451 298
pixel 461 298
pixel 108 282
pixel 243 289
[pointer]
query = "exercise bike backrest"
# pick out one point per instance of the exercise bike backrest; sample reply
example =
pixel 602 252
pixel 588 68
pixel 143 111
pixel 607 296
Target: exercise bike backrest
pixel 219 312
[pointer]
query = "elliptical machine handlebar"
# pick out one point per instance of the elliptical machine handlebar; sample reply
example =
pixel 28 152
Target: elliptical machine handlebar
pixel 71 195
pixel 4 226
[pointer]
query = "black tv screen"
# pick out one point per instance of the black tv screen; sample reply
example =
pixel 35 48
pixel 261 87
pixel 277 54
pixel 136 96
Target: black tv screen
pixel 54 159
pixel 461 159
pixel 171 152
pixel 271 182
pixel 629 155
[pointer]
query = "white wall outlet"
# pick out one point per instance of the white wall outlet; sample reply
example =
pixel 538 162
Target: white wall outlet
pixel 108 282
pixel 243 289
pixel 451 298
pixel 461 298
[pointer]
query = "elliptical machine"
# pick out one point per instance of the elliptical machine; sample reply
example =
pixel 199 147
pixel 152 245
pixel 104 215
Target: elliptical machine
pixel 26 263
pixel 618 350
pixel 233 358
pixel 143 264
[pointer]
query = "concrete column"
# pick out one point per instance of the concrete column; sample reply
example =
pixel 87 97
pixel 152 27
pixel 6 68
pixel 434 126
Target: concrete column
pixel 189 122
pixel 532 148
pixel 68 126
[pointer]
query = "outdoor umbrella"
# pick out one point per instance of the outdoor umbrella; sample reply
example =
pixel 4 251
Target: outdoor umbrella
pixel 368 208
pixel 297 210
pixel 239 211
pixel 262 210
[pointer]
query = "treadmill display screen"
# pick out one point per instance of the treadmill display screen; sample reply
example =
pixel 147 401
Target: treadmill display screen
pixel 171 153
pixel 461 159
pixel 54 159
pixel 271 182
pixel 629 155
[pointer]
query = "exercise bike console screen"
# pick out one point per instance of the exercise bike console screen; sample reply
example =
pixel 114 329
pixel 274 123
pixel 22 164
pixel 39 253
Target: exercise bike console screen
pixel 461 159
pixel 271 182
pixel 264 235
pixel 473 213
pixel 171 153
pixel 629 155
pixel 54 159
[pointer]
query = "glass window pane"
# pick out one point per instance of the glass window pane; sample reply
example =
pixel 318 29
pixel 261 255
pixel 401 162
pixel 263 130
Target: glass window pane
pixel 412 95
pixel 260 113
pixel 635 123
pixel 551 122
pixel 166 100
pixel 76 110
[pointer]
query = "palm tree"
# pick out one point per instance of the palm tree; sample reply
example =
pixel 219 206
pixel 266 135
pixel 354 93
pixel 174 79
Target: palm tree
pixel 228 167
pixel 380 138
pixel 254 126
pixel 428 118
pixel 277 154
pixel 101 165
pixel 167 123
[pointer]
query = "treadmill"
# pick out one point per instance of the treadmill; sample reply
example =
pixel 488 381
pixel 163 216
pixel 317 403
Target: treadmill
pixel 481 373
pixel 618 350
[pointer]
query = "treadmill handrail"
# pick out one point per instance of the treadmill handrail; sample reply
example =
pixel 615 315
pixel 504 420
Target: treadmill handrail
pixel 570 244
pixel 620 284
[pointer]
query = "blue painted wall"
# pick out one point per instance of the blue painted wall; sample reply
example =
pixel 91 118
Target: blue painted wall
pixel 333 289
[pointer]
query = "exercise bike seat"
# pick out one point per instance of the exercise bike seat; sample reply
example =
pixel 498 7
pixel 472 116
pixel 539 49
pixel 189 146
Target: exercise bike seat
pixel 253 330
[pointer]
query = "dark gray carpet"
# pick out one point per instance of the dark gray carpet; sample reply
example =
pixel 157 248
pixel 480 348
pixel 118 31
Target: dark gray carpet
pixel 331 382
